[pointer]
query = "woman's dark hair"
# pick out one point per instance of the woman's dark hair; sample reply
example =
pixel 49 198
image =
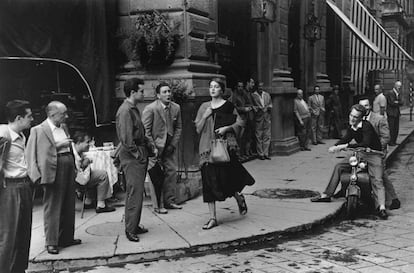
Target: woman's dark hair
pixel 16 108
pixel 220 82
pixel 132 85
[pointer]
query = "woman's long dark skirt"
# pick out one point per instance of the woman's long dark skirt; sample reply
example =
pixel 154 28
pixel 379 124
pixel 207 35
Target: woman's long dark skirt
pixel 223 180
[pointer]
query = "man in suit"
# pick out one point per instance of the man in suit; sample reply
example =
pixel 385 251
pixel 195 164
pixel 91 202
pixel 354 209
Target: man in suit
pixel 163 126
pixel 263 103
pixel 302 120
pixel 50 160
pixel 393 111
pixel 380 125
pixel 15 191
pixel 133 155
pixel 365 137
pixel 317 110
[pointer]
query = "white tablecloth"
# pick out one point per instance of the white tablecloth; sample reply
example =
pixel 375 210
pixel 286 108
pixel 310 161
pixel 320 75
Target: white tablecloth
pixel 101 160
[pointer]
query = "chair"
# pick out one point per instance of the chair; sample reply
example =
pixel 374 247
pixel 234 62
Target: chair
pixel 81 195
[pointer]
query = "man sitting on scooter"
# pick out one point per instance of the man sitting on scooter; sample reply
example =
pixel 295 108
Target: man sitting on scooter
pixel 365 136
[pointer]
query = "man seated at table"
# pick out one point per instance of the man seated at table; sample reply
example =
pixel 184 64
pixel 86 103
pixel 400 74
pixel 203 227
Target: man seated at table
pixel 91 178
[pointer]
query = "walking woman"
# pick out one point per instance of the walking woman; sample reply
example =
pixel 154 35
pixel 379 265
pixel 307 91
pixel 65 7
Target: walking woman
pixel 219 118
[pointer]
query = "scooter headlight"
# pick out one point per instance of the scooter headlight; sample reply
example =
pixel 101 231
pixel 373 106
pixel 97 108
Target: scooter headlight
pixel 362 165
pixel 353 161
pixel 354 177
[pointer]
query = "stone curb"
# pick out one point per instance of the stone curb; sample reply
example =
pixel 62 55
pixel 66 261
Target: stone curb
pixel 75 264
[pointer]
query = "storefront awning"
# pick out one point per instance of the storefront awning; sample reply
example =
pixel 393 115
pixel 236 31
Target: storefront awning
pixel 371 46
pixel 352 27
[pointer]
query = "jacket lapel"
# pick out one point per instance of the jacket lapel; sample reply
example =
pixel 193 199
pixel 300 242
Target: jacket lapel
pixel 48 131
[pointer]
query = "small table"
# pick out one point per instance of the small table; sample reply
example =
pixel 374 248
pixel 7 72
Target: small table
pixel 101 160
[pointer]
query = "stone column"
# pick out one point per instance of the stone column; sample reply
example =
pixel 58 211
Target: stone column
pixel 282 91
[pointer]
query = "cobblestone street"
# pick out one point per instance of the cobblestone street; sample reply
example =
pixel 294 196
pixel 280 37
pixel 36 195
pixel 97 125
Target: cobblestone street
pixel 364 245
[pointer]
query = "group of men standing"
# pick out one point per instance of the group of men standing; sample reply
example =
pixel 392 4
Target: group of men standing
pixel 309 116
pixel 54 160
pixel 254 106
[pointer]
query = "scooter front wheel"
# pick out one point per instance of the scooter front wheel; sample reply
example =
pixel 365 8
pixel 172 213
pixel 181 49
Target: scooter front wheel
pixel 351 206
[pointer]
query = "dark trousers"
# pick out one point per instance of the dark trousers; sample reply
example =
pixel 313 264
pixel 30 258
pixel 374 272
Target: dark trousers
pixel 304 132
pixel 15 226
pixel 394 125
pixel 134 171
pixel 59 203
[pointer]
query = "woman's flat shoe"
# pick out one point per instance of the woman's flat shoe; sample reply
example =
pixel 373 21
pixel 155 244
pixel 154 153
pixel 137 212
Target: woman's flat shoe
pixel 210 224
pixel 241 202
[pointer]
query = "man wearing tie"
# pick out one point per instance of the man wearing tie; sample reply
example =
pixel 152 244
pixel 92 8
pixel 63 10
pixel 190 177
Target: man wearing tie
pixel 163 126
pixel 317 109
pixel 50 161
pixel 393 111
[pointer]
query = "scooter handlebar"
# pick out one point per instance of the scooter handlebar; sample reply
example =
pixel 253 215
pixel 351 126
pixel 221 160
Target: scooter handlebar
pixel 365 150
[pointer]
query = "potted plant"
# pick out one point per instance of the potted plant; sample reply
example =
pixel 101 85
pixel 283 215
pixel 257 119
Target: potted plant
pixel 151 39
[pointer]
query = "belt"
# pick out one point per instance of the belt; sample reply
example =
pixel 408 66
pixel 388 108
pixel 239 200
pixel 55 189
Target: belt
pixel 16 180
pixel 7 180
pixel 64 153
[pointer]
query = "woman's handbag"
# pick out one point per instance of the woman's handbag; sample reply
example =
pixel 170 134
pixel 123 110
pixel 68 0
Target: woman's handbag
pixel 218 151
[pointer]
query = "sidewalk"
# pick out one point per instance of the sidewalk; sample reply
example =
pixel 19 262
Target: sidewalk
pixel 179 232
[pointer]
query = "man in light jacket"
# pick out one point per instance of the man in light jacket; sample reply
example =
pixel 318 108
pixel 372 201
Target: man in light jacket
pixel 51 162
pixel 263 115
pixel 317 109
pixel 163 126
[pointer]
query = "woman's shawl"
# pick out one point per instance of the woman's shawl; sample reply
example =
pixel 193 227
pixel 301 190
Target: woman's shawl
pixel 206 131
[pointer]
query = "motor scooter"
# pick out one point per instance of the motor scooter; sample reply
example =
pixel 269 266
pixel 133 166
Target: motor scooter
pixel 357 182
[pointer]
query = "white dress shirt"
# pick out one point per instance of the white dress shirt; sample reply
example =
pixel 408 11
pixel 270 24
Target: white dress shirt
pixel 15 165
pixel 58 135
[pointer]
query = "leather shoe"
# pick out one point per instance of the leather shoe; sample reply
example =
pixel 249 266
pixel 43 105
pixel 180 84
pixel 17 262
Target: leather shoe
pixel 261 157
pixel 141 230
pixel 395 204
pixel 105 209
pixel 161 210
pixel 306 149
pixel 132 237
pixel 315 143
pixel 383 214
pixel 321 199
pixel 321 142
pixel 52 250
pixel 267 157
pixel 173 206
pixel 71 243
